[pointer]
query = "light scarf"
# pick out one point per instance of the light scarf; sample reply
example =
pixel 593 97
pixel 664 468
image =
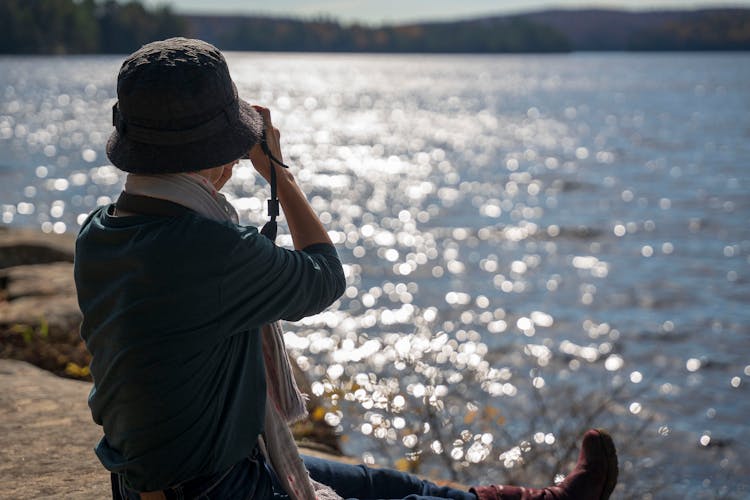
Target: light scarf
pixel 285 404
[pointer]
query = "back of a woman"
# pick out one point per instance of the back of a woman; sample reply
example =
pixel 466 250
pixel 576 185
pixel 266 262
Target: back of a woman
pixel 192 384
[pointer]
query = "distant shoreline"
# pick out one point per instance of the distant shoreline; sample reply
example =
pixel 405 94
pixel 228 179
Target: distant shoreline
pixel 114 28
pixel 457 18
pixel 421 54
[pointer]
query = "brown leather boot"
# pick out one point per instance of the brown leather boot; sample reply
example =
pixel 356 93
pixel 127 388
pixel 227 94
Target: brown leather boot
pixel 594 477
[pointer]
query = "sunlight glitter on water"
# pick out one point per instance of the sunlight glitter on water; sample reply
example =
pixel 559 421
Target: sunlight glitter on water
pixel 516 232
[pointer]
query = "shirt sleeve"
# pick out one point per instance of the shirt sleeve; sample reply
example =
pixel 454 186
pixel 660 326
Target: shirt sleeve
pixel 263 282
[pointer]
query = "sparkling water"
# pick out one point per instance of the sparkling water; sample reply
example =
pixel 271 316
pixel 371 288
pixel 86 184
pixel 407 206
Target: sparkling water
pixel 534 245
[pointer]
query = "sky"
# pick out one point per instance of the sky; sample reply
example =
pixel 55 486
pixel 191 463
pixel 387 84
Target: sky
pixel 394 11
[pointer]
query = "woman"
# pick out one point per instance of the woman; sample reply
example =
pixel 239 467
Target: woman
pixel 180 306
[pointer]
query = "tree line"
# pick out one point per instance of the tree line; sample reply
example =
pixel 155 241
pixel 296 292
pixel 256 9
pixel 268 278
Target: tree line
pixel 111 26
pixel 507 35
pixel 82 26
pixel 715 30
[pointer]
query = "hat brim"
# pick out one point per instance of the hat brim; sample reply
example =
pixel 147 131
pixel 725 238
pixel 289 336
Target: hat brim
pixel 231 144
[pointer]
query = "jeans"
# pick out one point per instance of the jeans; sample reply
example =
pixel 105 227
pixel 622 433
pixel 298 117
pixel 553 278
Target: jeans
pixel 362 482
pixel 251 478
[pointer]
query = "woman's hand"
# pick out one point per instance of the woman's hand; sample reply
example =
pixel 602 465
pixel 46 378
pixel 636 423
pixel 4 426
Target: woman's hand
pixel 261 162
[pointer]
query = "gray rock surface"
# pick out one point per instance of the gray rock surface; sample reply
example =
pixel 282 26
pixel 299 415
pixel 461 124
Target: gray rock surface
pixel 25 246
pixel 39 314
pixel 36 280
pixel 47 437
pixel 39 317
pixel 40 291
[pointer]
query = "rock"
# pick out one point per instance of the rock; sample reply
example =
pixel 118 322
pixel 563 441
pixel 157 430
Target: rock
pixel 40 279
pixel 47 436
pixel 24 246
pixel 36 283
pixel 36 293
pixel 39 314
pixel 39 318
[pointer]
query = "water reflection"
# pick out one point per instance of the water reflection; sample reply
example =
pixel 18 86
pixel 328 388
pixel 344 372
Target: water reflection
pixel 518 233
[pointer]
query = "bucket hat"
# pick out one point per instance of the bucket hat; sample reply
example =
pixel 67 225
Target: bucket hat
pixel 177 110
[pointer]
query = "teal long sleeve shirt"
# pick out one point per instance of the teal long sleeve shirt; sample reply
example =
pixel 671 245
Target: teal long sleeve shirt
pixel 172 309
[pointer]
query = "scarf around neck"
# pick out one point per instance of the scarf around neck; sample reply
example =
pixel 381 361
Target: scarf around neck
pixel 285 403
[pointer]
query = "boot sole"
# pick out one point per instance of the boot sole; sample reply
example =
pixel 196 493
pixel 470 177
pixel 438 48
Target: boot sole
pixel 612 469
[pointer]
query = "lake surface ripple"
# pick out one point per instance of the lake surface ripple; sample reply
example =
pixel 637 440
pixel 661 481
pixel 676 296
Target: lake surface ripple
pixel 533 245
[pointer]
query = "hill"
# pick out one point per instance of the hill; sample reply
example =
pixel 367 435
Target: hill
pixel 597 29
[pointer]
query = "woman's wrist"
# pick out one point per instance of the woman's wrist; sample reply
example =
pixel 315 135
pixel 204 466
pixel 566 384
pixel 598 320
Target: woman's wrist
pixel 284 181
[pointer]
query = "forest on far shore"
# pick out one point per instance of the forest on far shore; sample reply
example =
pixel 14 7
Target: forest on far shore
pixel 112 27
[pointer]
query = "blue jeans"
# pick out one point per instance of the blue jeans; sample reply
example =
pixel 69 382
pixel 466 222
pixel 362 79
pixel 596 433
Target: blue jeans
pixel 362 482
pixel 251 478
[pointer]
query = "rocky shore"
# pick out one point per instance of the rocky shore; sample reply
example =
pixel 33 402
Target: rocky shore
pixel 46 432
pixel 39 314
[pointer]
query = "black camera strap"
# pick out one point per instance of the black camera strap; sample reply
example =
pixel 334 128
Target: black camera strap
pixel 270 228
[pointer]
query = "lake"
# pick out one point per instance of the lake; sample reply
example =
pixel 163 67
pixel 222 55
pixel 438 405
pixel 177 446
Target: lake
pixel 533 245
